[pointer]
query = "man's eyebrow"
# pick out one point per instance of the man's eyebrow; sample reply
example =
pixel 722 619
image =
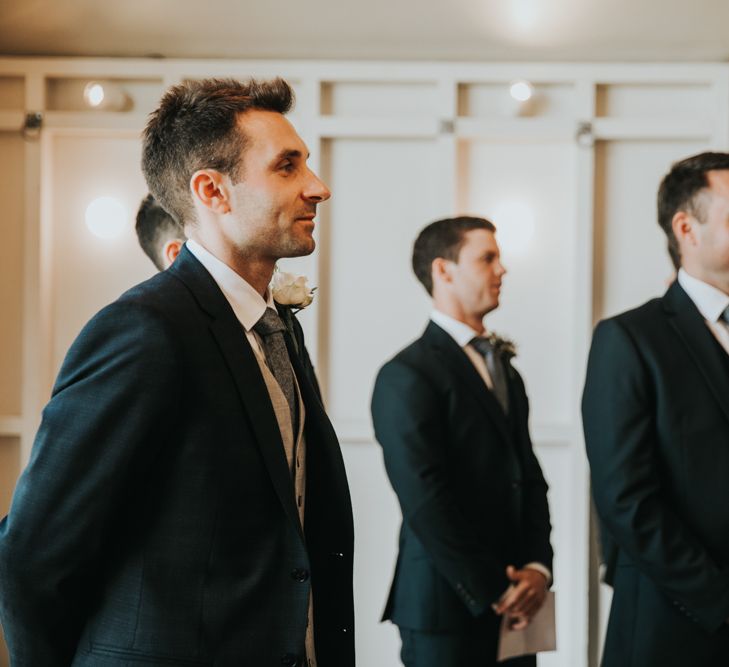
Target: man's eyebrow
pixel 290 153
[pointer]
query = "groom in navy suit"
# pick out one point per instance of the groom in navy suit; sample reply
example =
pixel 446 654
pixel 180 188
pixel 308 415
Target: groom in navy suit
pixel 186 501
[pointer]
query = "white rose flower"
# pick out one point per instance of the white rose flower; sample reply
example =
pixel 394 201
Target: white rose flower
pixel 290 290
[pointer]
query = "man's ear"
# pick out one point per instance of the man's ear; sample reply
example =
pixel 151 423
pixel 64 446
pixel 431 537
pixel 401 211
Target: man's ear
pixel 683 225
pixel 170 250
pixel 211 189
pixel 441 270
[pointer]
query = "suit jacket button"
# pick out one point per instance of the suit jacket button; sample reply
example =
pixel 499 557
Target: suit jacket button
pixel 300 575
pixel 289 659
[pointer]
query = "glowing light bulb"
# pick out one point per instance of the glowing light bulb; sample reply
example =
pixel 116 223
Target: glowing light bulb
pixel 94 94
pixel 521 91
pixel 106 217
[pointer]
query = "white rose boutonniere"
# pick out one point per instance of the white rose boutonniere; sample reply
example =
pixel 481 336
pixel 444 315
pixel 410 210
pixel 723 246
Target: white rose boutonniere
pixel 290 290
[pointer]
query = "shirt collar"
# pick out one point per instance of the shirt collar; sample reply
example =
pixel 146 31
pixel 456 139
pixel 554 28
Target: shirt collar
pixel 460 332
pixel 247 304
pixel 710 301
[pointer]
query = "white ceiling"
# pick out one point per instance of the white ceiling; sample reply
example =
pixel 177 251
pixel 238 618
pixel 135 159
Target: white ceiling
pixel 491 30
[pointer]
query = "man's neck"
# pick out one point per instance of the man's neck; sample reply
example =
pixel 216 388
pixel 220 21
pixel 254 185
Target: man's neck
pixel 256 271
pixel 458 314
pixel 719 281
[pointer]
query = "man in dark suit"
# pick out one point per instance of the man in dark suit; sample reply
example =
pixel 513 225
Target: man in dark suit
pixel 450 412
pixel 656 419
pixel 186 501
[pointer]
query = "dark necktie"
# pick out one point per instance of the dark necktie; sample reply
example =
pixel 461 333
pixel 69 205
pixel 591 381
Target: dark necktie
pixel 496 370
pixel 725 315
pixel 271 330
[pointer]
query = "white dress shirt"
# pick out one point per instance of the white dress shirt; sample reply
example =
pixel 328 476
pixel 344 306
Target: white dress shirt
pixel 711 303
pixel 463 335
pixel 247 304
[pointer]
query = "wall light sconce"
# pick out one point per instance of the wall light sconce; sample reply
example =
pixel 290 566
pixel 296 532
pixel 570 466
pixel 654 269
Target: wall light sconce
pixel 106 96
pixel 106 218
pixel 521 91
pixel 522 96
pixel 584 135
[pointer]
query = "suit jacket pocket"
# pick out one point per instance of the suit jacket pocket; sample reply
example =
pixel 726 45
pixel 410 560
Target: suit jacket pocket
pixel 151 608
pixel 143 658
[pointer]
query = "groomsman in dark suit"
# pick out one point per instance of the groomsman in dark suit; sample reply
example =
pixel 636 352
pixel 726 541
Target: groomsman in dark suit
pixel 656 418
pixel 451 412
pixel 186 501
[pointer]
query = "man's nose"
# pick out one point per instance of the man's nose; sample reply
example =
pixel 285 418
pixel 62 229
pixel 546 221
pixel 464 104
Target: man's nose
pixel 316 189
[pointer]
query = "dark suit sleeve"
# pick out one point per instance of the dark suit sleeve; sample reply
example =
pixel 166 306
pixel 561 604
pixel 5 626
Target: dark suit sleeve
pixel 537 527
pixel 114 395
pixel 620 433
pixel 408 418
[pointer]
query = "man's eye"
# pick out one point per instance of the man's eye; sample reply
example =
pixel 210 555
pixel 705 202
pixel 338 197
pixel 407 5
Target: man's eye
pixel 287 166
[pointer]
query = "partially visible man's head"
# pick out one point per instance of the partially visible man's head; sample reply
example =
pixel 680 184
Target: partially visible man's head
pixel 196 127
pixel 685 194
pixel 457 260
pixel 159 235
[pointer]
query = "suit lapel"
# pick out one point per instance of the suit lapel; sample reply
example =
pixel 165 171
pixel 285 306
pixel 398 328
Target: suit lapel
pixel 457 360
pixel 241 361
pixel 700 343
pixel 315 413
pixel 326 476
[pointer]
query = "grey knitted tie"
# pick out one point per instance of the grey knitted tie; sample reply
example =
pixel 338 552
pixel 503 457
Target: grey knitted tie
pixel 271 330
pixel 496 371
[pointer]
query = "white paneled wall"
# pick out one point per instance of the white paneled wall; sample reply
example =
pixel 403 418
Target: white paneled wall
pixel 633 248
pixel 527 189
pixel 87 271
pixel 569 179
pixel 384 190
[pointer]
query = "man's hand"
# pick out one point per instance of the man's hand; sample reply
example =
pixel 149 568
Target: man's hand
pixel 524 597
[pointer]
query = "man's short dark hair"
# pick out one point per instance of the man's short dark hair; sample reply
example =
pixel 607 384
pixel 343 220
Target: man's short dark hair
pixel 443 238
pixel 681 190
pixel 154 228
pixel 195 127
